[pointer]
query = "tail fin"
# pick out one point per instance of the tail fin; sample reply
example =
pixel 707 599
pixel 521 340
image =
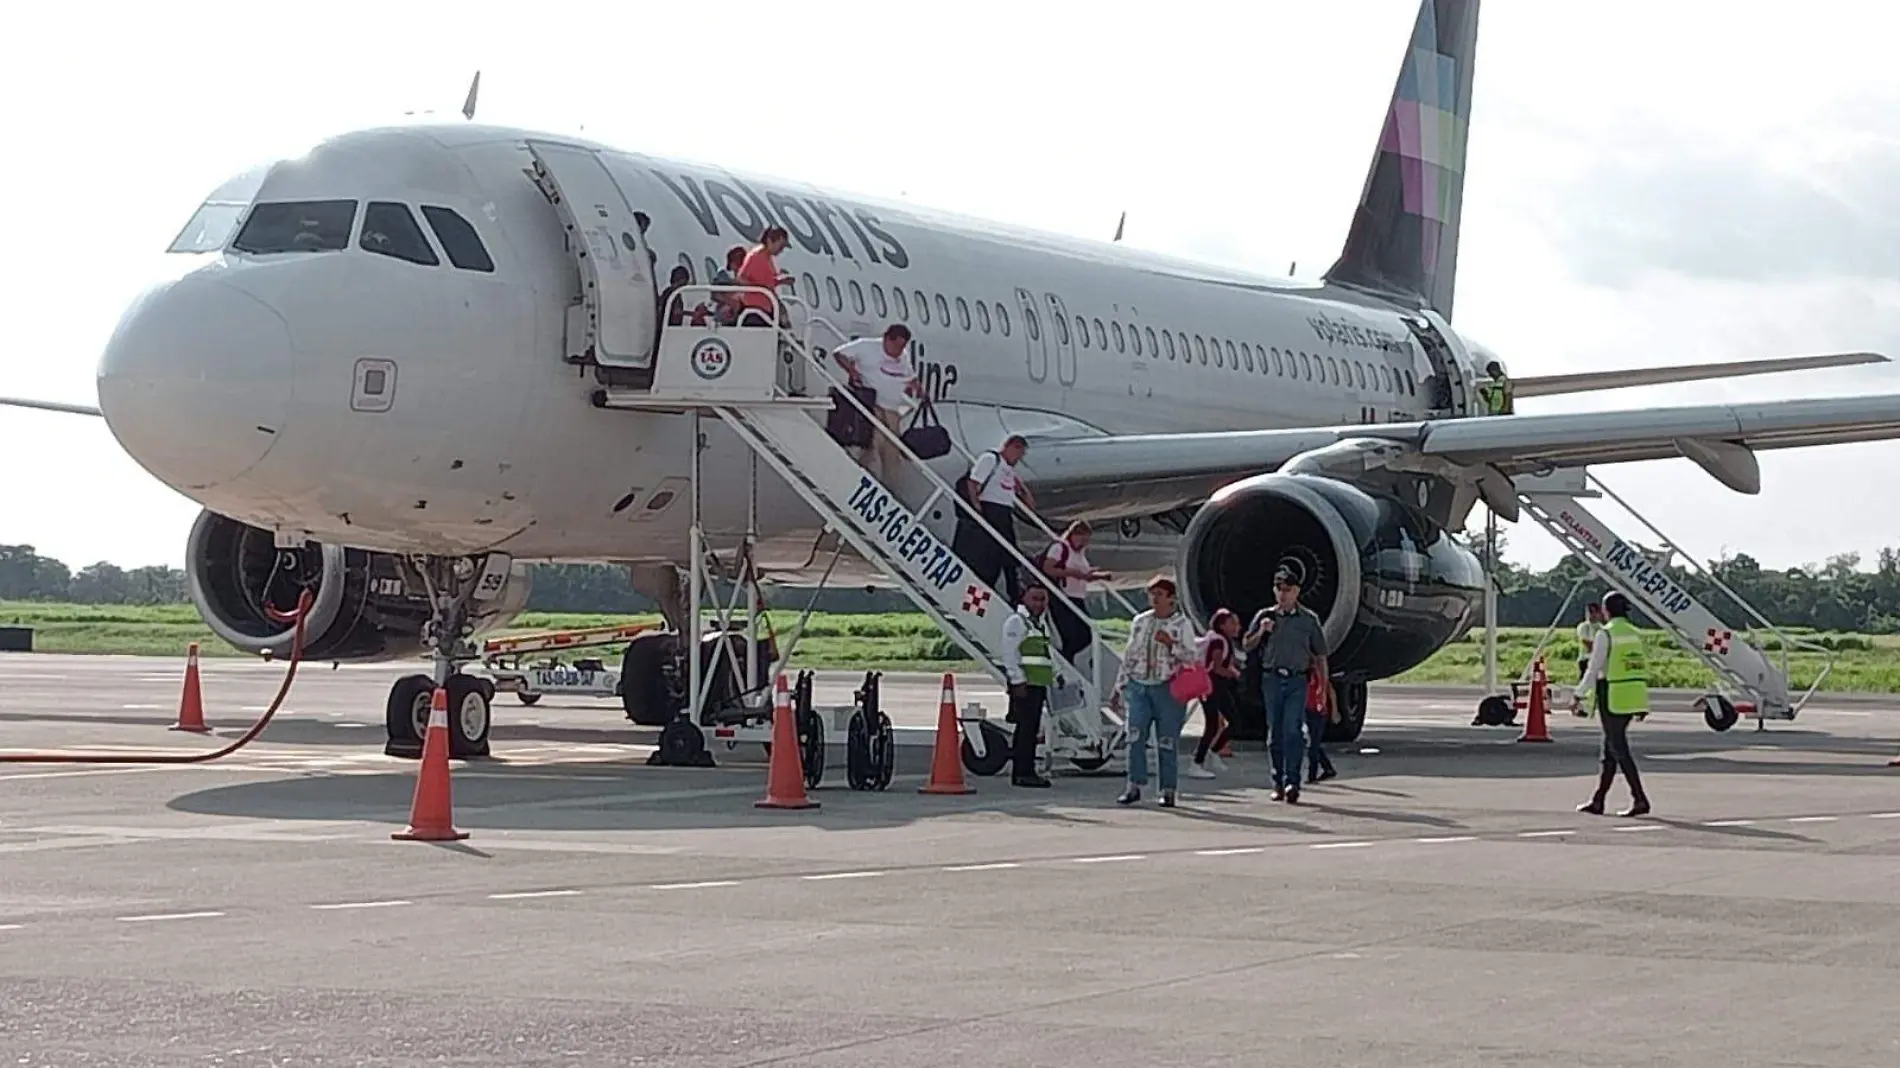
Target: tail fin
pixel 1404 236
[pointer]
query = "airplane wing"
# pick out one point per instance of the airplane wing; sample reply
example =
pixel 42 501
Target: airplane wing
pixel 49 406
pixel 1551 385
pixel 1120 475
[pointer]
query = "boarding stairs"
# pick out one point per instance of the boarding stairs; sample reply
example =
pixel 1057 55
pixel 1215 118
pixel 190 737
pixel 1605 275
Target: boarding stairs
pixel 1751 679
pixel 755 380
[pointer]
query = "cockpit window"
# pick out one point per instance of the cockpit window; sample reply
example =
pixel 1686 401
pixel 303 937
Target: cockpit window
pixel 297 226
pixel 458 238
pixel 389 230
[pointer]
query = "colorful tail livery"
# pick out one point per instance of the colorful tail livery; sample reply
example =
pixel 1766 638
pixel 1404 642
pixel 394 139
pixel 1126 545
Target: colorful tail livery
pixel 1404 236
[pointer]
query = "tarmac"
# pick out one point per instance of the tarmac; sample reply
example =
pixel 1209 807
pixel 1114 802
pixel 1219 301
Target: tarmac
pixel 1440 903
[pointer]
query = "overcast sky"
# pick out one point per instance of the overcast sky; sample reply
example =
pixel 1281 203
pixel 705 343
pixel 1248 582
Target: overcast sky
pixel 1646 184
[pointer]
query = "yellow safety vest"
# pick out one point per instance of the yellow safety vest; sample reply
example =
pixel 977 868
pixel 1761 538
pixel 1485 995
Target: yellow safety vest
pixel 1038 668
pixel 1626 670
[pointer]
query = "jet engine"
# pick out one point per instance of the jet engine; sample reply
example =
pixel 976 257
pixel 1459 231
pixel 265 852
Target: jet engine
pixel 367 605
pixel 1391 586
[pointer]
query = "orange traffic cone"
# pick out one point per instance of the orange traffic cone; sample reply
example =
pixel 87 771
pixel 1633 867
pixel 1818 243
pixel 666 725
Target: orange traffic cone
pixel 1536 717
pixel 191 705
pixel 946 762
pixel 785 777
pixel 431 817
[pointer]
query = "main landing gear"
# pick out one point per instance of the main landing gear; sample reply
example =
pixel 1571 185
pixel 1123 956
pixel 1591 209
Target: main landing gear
pixel 452 584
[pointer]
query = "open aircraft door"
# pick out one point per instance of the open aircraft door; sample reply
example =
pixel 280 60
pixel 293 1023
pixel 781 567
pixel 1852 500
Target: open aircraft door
pixel 616 321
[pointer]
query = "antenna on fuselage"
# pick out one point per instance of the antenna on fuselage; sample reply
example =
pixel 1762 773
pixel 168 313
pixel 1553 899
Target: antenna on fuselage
pixel 468 104
pixel 1119 223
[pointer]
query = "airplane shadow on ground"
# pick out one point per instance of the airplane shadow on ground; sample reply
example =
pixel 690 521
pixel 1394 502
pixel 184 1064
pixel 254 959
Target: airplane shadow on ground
pixel 624 794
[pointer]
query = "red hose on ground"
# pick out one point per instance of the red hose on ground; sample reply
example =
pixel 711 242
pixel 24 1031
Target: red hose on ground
pixel 80 756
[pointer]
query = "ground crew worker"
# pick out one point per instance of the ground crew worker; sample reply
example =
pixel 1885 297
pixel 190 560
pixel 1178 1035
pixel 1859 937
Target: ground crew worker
pixel 1620 675
pixel 1495 391
pixel 1587 631
pixel 1031 671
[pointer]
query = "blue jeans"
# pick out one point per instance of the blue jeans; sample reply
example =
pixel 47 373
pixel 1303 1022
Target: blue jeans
pixel 1285 700
pixel 1152 707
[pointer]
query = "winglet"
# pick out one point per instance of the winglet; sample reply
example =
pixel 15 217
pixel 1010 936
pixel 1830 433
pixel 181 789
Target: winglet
pixel 50 406
pixel 468 104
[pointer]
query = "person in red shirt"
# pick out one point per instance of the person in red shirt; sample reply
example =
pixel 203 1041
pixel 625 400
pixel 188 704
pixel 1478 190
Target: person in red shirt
pixel 760 268
pixel 1320 708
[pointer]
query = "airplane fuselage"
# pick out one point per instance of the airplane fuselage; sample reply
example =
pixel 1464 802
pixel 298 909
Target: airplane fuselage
pixel 481 437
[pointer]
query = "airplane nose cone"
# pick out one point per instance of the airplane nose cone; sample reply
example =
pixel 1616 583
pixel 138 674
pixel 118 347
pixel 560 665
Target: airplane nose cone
pixel 195 382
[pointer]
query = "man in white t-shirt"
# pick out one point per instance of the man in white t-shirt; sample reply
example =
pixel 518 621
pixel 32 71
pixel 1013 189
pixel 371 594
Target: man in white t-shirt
pixel 993 488
pixel 880 364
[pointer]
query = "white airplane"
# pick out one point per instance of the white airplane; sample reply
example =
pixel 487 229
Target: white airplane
pixel 369 370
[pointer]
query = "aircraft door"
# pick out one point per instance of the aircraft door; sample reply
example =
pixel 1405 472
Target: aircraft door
pixel 617 319
pixel 1035 338
pixel 1063 335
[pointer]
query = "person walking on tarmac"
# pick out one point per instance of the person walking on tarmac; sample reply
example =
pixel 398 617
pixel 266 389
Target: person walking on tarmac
pixel 1586 640
pixel 1619 673
pixel 1031 671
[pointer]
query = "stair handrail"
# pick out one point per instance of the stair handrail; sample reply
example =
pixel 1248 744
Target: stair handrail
pixel 783 328
pixel 967 456
pixel 1784 641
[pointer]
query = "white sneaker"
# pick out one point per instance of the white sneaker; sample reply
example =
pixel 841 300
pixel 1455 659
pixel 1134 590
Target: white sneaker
pixel 1195 771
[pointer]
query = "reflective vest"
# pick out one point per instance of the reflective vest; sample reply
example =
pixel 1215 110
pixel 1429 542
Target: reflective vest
pixel 1038 668
pixel 1626 670
pixel 1495 396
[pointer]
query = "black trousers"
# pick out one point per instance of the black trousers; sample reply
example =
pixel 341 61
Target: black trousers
pixel 1616 749
pixel 987 559
pixel 1071 630
pixel 1026 710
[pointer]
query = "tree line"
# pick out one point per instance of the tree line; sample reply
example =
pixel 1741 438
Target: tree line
pixel 1838 595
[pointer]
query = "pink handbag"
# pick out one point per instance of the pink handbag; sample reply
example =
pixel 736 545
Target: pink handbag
pixel 1191 683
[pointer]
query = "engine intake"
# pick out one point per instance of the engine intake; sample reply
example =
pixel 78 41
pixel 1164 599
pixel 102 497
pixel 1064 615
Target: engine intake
pixel 367 606
pixel 1391 586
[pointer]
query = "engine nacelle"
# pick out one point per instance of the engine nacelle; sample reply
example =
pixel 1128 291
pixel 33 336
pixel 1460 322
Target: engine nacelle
pixel 368 605
pixel 1391 586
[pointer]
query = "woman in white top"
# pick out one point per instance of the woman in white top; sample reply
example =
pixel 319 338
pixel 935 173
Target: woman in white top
pixel 1160 643
pixel 1067 562
pixel 880 364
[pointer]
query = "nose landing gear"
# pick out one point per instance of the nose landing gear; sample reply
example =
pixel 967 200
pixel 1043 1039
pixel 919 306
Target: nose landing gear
pixel 452 584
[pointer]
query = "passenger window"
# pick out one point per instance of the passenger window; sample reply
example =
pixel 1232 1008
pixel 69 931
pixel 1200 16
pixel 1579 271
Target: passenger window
pixel 963 313
pixel 943 310
pixel 877 301
pixel 837 298
pixel 389 230
pixel 983 316
pixel 1002 319
pixel 297 226
pixel 464 246
pixel 903 305
pixel 1082 329
pixel 857 298
pixel 923 307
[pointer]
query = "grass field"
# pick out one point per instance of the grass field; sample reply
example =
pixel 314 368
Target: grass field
pixel 901 642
